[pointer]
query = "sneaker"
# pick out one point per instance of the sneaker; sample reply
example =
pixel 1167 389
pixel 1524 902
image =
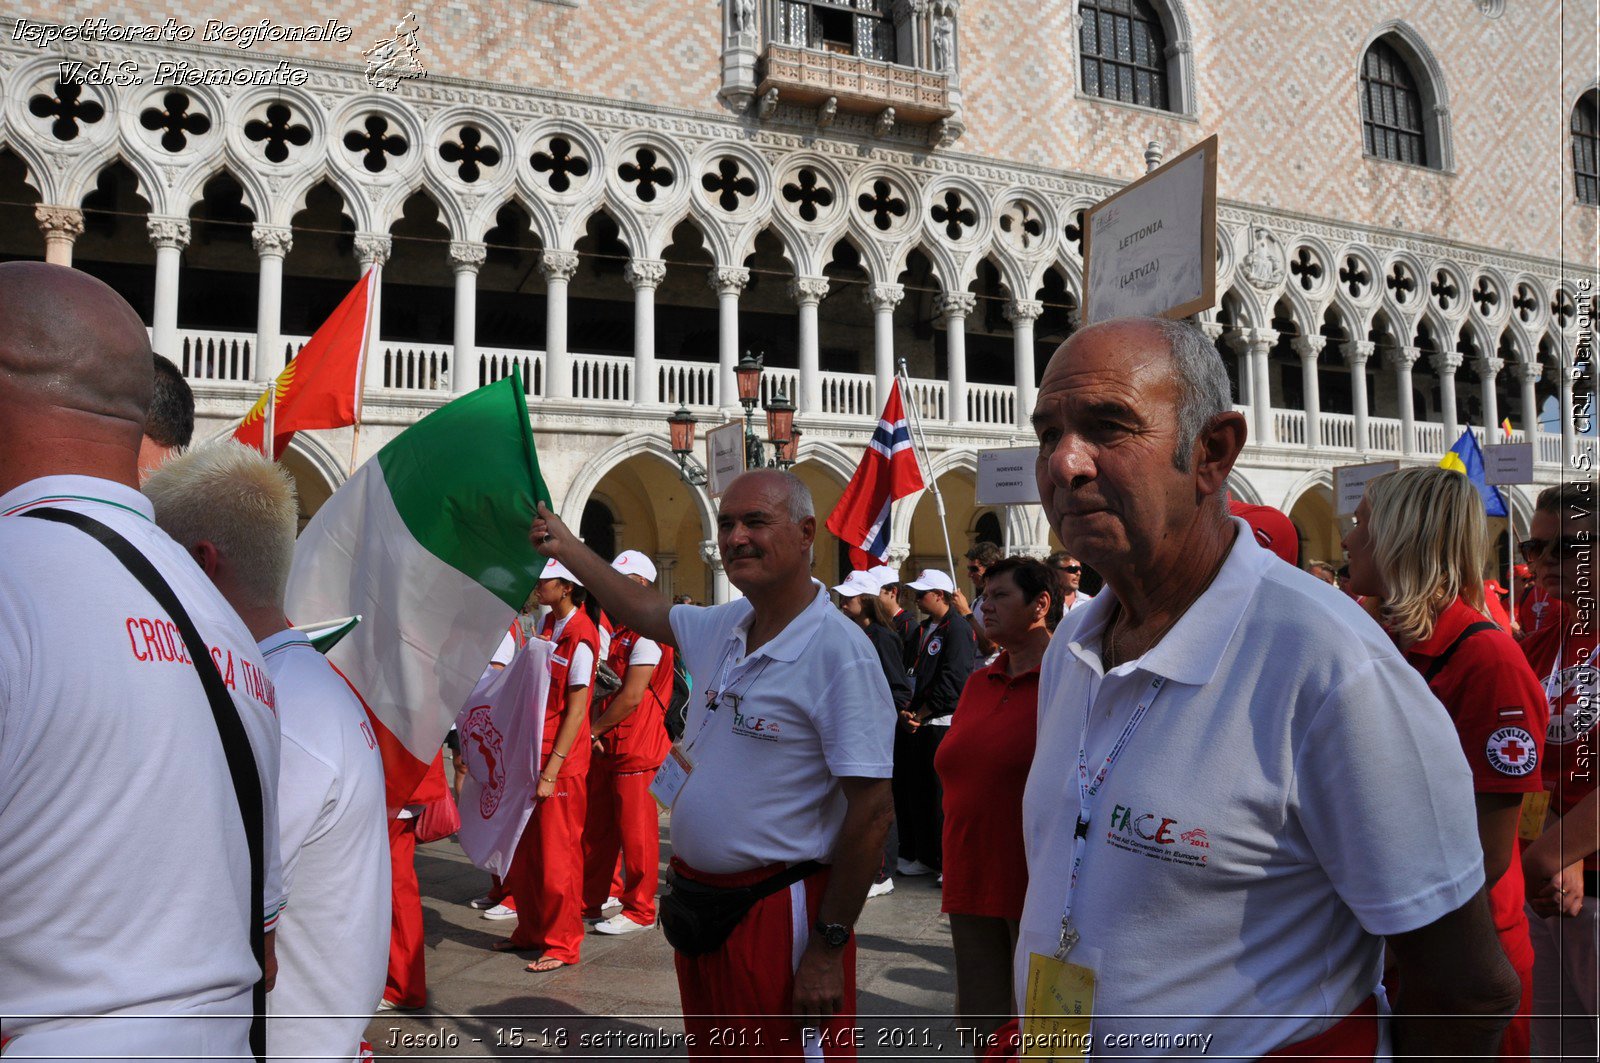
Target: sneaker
pixel 619 924
pixel 940 880
pixel 500 911
pixel 912 868
pixel 480 903
pixel 881 889
pixel 387 1005
pixel 612 902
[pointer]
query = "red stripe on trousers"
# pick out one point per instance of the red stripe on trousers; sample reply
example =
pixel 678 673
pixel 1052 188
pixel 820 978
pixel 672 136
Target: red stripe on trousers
pixel 407 984
pixel 744 992
pixel 547 874
pixel 621 818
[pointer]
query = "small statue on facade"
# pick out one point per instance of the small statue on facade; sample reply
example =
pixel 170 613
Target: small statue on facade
pixel 944 42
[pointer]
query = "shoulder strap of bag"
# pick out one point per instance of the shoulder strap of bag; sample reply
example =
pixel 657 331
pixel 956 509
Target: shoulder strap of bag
pixel 1449 651
pixel 230 728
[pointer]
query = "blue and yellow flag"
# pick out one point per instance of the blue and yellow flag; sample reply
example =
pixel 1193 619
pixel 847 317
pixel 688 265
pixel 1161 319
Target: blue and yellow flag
pixel 1467 459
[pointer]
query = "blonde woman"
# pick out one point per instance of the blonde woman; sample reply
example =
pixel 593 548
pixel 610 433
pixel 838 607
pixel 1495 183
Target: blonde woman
pixel 1421 544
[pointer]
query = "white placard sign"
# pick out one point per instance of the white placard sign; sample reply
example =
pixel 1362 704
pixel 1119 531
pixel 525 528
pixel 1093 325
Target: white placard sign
pixel 1508 463
pixel 1151 249
pixel 1005 477
pixel 1350 483
pixel 724 456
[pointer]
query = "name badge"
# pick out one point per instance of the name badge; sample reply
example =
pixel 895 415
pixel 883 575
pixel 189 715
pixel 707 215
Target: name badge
pixel 1060 1008
pixel 1534 808
pixel 670 777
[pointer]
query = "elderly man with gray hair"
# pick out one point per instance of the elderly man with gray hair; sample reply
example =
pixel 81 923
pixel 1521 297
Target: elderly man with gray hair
pixel 779 788
pixel 235 513
pixel 1258 791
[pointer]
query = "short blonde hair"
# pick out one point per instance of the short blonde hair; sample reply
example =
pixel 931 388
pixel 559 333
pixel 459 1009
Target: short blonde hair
pixel 230 495
pixel 1430 542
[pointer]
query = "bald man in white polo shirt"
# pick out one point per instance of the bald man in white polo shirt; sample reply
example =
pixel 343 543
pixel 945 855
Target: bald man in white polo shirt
pixel 235 512
pixel 782 779
pixel 125 865
pixel 1240 790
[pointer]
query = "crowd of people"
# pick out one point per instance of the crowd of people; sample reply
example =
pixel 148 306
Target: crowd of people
pixel 1218 798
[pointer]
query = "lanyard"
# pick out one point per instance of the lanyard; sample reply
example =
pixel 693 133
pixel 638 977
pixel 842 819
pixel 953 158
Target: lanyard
pixel 1088 790
pixel 715 695
pixel 1552 683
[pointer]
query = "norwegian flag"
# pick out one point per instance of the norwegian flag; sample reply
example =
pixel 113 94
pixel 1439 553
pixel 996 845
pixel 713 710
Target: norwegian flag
pixel 888 471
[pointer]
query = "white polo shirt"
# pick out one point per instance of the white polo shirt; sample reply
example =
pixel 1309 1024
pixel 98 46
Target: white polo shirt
pixel 124 872
pixel 813 708
pixel 333 936
pixel 1079 600
pixel 1293 794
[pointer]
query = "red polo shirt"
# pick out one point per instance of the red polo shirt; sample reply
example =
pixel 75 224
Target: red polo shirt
pixel 983 764
pixel 1572 685
pixel 1500 715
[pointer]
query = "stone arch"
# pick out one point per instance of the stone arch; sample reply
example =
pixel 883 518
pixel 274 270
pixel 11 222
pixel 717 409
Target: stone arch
pixel 632 446
pixel 1309 504
pixel 1242 490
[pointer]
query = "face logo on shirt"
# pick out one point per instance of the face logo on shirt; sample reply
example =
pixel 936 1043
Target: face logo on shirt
pixel 1511 751
pixel 480 730
pixel 758 727
pixel 1157 836
pixel 1573 707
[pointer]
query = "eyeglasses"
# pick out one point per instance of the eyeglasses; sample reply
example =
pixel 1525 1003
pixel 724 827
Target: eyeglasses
pixel 1566 545
pixel 1071 570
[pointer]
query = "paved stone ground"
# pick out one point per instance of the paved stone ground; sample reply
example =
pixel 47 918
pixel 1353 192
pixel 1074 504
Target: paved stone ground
pixel 482 1003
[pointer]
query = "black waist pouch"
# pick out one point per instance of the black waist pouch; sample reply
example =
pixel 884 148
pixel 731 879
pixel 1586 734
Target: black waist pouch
pixel 697 918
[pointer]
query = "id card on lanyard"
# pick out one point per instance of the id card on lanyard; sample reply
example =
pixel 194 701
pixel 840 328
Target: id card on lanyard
pixel 1059 994
pixel 674 772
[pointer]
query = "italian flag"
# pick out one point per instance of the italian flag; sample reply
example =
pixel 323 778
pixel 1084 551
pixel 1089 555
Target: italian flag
pixel 428 541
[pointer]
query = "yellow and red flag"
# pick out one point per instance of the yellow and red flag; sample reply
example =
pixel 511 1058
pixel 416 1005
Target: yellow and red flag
pixel 321 387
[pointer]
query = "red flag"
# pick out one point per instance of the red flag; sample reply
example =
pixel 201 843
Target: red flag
pixel 888 471
pixel 321 387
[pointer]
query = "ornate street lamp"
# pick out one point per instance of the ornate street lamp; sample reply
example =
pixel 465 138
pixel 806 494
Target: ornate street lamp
pixel 782 435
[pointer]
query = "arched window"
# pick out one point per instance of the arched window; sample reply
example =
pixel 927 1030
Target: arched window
pixel 1586 148
pixel 987 529
pixel 1122 50
pixel 1391 107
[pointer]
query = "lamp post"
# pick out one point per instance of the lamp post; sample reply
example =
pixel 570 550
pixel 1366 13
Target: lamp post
pixel 782 436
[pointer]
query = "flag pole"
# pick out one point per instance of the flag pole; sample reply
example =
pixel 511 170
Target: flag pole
pixel 269 422
pixel 909 402
pixel 361 363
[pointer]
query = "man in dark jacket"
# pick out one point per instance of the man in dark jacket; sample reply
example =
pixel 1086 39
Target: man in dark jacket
pixel 946 655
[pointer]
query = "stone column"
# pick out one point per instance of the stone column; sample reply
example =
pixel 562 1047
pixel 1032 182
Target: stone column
pixel 1309 348
pixel 272 243
pixel 666 569
pixel 1528 374
pixel 558 268
pixel 729 283
pixel 1356 355
pixel 372 252
pixel 646 275
pixel 466 258
pixel 170 236
pixel 954 309
pixel 1401 359
pixel 1445 364
pixel 721 590
pixel 1022 313
pixel 883 298
pixel 1489 368
pixel 808 292
pixel 1261 341
pixel 61 227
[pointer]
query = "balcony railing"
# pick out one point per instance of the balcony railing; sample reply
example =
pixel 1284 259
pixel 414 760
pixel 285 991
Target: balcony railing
pixel 802 75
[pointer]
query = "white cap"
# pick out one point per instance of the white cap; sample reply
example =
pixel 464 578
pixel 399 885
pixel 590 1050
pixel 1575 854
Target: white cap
pixel 554 569
pixel 885 575
pixel 931 579
pixel 634 563
pixel 857 583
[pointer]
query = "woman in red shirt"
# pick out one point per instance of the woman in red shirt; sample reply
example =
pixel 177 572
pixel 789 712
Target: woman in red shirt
pixel 983 764
pixel 547 870
pixel 1421 543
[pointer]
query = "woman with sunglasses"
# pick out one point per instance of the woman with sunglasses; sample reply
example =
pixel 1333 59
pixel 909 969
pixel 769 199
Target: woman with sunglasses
pixel 983 764
pixel 1561 868
pixel 1421 544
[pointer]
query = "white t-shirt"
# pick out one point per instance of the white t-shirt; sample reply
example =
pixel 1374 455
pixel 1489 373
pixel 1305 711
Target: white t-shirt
pixel 644 652
pixel 813 708
pixel 333 936
pixel 581 672
pixel 1293 794
pixel 124 871
pixel 504 652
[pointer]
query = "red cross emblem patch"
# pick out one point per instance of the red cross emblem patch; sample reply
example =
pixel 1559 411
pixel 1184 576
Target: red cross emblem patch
pixel 1512 752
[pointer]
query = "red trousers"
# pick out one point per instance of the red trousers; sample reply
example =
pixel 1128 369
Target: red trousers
pixel 547 874
pixel 407 984
pixel 621 818
pixel 738 1001
pixel 1516 1044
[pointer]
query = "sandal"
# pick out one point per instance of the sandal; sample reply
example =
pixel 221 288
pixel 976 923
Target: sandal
pixel 544 965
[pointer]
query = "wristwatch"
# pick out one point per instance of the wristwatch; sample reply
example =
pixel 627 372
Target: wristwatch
pixel 833 935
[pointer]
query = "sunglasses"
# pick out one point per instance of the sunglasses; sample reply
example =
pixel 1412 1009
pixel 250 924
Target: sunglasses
pixel 1569 546
pixel 1072 570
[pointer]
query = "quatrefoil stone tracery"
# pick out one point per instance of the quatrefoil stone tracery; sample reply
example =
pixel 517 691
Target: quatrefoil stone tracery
pixel 728 184
pixel 278 131
pixel 470 152
pixel 376 144
pixel 67 107
pixel 561 162
pixel 808 193
pixel 177 119
pixel 953 214
pixel 645 174
pixel 1021 225
pixel 882 204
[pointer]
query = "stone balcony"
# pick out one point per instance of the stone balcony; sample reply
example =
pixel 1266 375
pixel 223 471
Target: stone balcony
pixel 862 86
